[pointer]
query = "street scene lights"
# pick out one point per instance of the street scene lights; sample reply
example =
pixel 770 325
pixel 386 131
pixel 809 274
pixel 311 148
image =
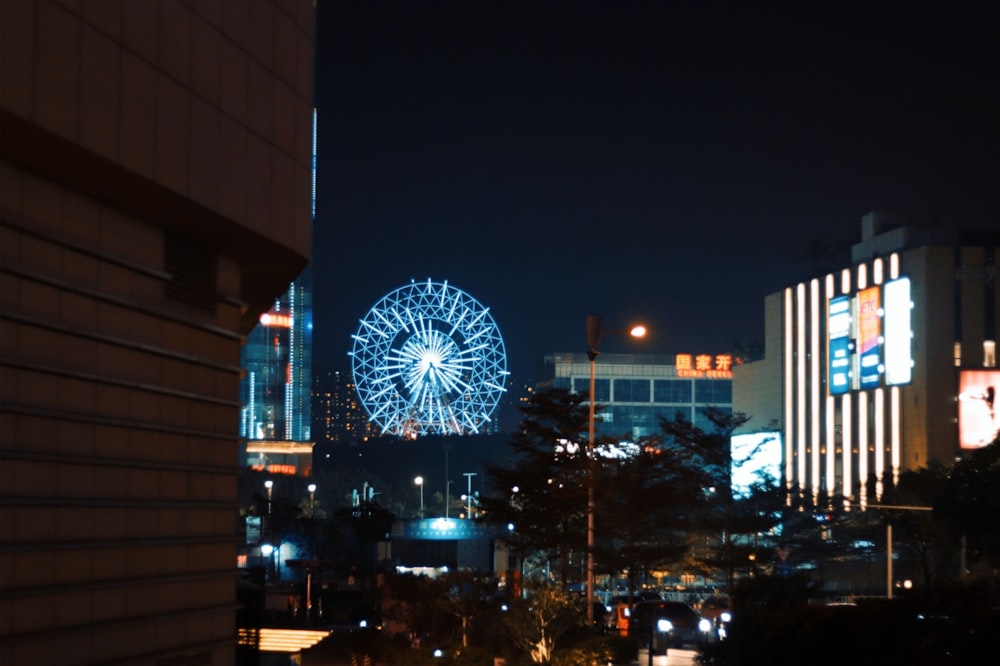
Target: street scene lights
pixel 596 333
pixel 420 484
pixel 312 499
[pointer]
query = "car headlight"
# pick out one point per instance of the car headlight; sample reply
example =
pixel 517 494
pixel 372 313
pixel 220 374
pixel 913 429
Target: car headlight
pixel 664 625
pixel 726 616
pixel 704 625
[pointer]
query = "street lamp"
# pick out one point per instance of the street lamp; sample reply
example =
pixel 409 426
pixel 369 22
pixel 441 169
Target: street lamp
pixel 468 511
pixel 420 483
pixel 312 499
pixel 595 333
pixel 269 484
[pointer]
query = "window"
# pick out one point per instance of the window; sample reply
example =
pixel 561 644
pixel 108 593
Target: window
pixel 631 390
pixel 713 391
pixel 669 390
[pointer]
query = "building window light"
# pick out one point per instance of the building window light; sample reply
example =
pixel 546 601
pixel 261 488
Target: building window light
pixel 958 354
pixel 989 353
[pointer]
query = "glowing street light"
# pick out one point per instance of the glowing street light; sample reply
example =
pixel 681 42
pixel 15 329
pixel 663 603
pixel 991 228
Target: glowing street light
pixel 596 333
pixel 420 483
pixel 312 499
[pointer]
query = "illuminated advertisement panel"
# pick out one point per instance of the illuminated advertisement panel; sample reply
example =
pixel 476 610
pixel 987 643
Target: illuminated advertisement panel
pixel 978 424
pixel 869 330
pixel 898 337
pixel 756 460
pixel 839 352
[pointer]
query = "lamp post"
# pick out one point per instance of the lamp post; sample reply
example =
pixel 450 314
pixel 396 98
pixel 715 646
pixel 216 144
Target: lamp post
pixel 269 484
pixel 420 484
pixel 595 333
pixel 468 510
pixel 888 539
pixel 312 499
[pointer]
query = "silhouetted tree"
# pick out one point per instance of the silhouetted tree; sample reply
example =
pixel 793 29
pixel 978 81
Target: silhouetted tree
pixel 543 492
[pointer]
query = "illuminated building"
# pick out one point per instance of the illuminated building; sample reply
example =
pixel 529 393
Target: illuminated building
pixel 275 392
pixel 151 207
pixel 885 365
pixel 339 415
pixel 635 390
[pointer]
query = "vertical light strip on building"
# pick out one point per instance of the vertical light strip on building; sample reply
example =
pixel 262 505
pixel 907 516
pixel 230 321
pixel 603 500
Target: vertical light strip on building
pixel 830 482
pixel 846 429
pixel 291 414
pixel 789 387
pixel 863 448
pixel 893 265
pixel 879 441
pixel 877 270
pixel 894 435
pixel 800 379
pixel 814 387
pixel 830 413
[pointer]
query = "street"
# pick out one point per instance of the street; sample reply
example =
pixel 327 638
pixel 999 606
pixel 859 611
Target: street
pixel 675 657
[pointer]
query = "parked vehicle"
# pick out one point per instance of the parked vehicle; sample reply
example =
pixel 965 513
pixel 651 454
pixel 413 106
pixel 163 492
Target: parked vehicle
pixel 663 624
pixel 716 609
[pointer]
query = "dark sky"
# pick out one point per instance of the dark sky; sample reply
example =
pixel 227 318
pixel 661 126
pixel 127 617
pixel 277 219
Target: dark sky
pixel 669 161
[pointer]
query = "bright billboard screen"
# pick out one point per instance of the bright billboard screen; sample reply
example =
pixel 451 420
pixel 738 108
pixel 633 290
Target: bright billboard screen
pixel 756 459
pixel 869 331
pixel 978 422
pixel 839 354
pixel 898 347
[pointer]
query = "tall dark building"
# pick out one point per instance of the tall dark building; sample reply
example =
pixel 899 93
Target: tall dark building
pixel 154 201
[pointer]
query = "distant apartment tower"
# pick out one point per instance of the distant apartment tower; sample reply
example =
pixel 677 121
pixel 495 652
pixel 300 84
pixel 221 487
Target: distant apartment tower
pixel 154 200
pixel 275 392
pixel 340 417
pixel 634 390
pixel 885 365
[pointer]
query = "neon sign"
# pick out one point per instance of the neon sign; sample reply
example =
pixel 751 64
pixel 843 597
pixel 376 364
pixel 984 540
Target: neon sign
pixel 272 320
pixel 704 366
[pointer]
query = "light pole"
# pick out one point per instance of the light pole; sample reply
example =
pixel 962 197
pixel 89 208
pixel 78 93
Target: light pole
pixel 420 483
pixel 269 484
pixel 595 333
pixel 888 539
pixel 312 499
pixel 468 510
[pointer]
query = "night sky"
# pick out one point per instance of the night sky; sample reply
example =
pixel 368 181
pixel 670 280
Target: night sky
pixel 673 162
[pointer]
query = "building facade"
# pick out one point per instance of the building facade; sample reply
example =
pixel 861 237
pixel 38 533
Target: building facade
pixel 154 200
pixel 884 366
pixel 276 391
pixel 634 391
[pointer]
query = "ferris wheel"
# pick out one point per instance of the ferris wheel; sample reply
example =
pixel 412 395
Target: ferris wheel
pixel 428 359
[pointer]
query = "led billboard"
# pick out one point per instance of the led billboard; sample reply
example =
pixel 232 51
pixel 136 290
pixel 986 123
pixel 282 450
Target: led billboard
pixel 978 422
pixel 756 459
pixel 839 352
pixel 869 332
pixel 898 338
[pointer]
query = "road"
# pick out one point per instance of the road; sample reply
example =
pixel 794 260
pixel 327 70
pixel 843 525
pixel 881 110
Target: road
pixel 675 657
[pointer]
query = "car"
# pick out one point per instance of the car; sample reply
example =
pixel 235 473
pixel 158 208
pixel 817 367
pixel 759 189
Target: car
pixel 616 619
pixel 663 624
pixel 716 608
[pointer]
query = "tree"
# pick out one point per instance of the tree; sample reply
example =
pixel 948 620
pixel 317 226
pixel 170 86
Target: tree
pixel 644 505
pixel 536 623
pixel 970 502
pixel 543 493
pixel 707 459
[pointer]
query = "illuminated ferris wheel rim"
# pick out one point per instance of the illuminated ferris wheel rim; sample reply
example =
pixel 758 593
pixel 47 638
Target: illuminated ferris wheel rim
pixel 428 358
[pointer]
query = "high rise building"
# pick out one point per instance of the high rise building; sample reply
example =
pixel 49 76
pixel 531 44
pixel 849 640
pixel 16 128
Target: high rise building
pixel 340 417
pixel 886 365
pixel 154 200
pixel 276 393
